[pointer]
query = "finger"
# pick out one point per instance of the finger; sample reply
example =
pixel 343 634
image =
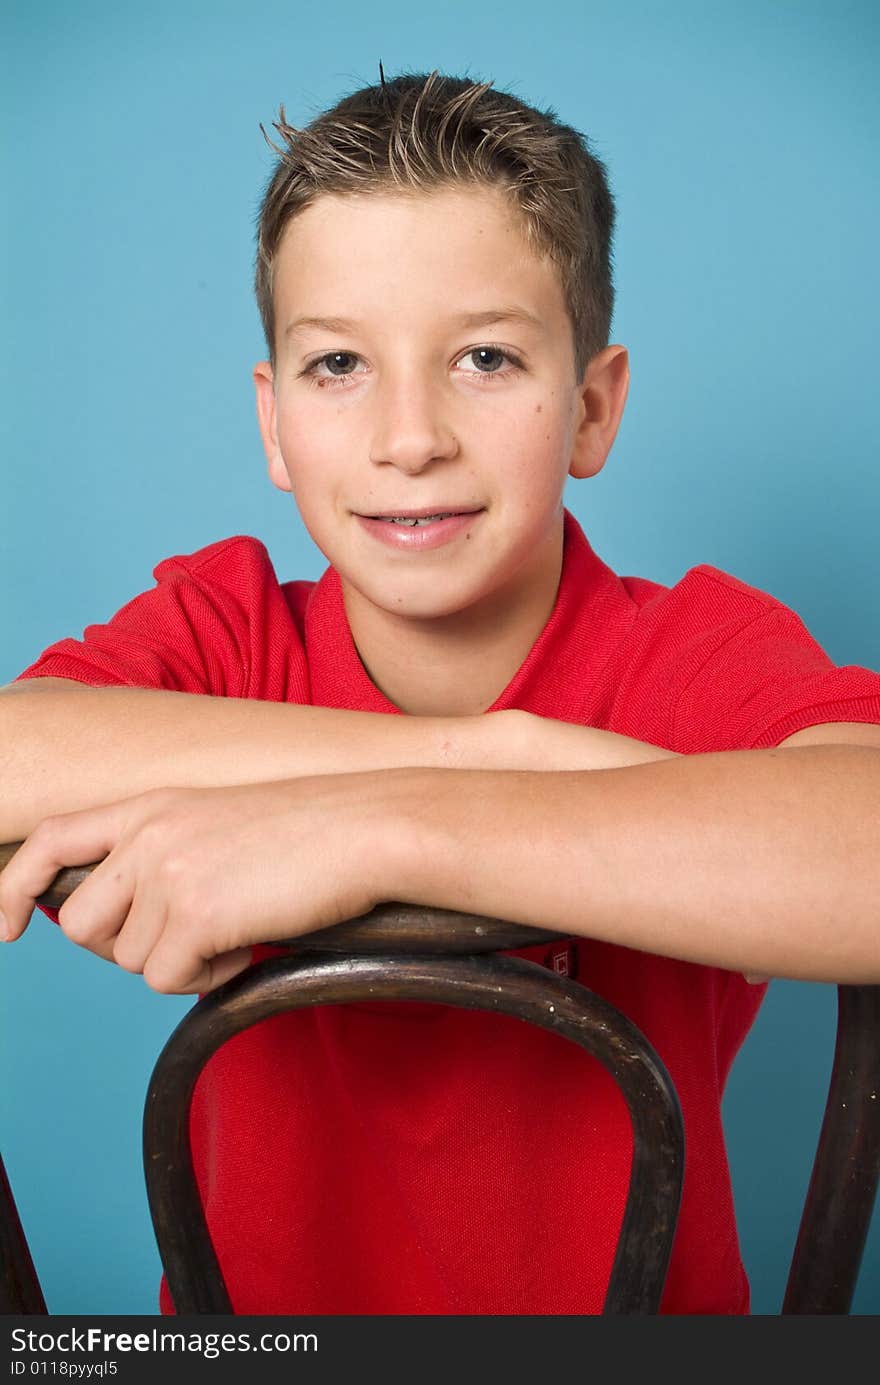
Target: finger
pixel 97 909
pixel 142 929
pixel 69 839
pixel 174 969
pixel 224 967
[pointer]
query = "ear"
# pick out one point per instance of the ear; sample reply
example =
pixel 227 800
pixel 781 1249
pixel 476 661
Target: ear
pixel 267 419
pixel 602 397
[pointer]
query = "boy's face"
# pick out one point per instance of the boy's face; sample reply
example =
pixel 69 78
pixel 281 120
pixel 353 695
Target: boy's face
pixel 409 406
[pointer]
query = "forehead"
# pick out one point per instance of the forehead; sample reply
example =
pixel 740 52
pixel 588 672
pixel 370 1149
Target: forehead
pixel 346 254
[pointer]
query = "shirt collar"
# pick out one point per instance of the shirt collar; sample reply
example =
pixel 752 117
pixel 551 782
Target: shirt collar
pixel 592 613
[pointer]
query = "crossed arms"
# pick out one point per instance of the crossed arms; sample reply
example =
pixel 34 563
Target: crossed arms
pixel 284 819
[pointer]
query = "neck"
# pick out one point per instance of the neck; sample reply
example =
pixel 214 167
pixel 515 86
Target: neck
pixel 456 665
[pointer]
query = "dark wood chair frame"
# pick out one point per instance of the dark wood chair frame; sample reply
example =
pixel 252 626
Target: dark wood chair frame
pixel 406 954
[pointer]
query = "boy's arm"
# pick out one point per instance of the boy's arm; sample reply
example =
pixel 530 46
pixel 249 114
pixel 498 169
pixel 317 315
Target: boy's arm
pixel 65 746
pixel 762 861
pixel 756 861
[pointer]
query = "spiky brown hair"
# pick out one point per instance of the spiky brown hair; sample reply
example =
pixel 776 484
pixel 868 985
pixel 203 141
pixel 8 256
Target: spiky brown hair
pixel 423 132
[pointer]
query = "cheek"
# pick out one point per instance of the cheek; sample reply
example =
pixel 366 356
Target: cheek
pixel 295 427
pixel 309 422
pixel 310 450
pixel 540 435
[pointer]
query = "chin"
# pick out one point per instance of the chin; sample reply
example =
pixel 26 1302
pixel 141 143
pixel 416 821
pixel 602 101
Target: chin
pixel 418 603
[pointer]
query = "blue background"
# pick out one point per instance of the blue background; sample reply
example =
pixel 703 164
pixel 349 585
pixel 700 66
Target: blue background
pixel 741 139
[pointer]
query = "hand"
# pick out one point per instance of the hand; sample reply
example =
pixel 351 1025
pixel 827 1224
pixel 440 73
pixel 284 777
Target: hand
pixel 189 879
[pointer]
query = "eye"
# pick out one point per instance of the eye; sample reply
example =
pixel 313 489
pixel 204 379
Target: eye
pixel 478 355
pixel 340 366
pixel 337 363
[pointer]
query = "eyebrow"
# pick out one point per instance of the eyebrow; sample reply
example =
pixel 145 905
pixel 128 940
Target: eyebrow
pixel 486 318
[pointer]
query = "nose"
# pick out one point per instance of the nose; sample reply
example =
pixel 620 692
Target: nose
pixel 411 430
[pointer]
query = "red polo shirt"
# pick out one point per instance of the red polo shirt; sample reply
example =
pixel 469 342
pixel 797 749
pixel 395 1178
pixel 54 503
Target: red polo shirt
pixel 402 1158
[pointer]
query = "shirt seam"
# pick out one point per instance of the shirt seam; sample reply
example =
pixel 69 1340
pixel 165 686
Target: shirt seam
pixel 186 568
pixel 197 568
pixel 190 564
pixel 808 710
pixel 735 634
pixel 767 603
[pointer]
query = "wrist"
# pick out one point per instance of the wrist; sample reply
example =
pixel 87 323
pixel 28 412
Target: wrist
pixel 395 832
pixel 488 740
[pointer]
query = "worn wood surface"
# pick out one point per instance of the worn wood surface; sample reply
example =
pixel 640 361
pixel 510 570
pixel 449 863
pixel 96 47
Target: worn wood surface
pixel 843 1184
pixel 506 985
pixel 20 1290
pixel 387 928
pixel 403 952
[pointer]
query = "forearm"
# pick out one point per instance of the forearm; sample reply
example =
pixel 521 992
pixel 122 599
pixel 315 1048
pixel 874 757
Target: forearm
pixel 65 749
pixel 552 745
pixel 756 861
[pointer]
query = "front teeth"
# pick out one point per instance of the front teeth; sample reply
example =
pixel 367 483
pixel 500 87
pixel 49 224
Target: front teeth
pixel 428 519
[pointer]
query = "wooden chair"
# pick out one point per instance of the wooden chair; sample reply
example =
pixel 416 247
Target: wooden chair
pixel 403 953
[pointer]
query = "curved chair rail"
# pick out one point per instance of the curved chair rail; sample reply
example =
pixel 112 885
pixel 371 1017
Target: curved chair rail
pixel 843 1183
pixel 20 1290
pixel 390 926
pixel 506 985
pixel 842 1191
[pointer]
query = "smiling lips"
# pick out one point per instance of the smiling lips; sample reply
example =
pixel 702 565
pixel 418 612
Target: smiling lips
pixel 427 512
pixel 421 529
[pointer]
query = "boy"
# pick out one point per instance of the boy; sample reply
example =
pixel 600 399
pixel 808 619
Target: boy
pixel 579 751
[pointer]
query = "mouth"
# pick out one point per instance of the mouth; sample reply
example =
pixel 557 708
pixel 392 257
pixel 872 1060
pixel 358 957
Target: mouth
pixel 423 516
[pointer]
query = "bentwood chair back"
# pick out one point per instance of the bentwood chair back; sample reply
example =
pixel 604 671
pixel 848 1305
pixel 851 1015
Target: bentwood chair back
pixel 402 953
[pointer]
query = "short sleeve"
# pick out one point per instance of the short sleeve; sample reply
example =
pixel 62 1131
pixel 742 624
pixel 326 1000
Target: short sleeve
pixel 216 622
pixel 764 682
